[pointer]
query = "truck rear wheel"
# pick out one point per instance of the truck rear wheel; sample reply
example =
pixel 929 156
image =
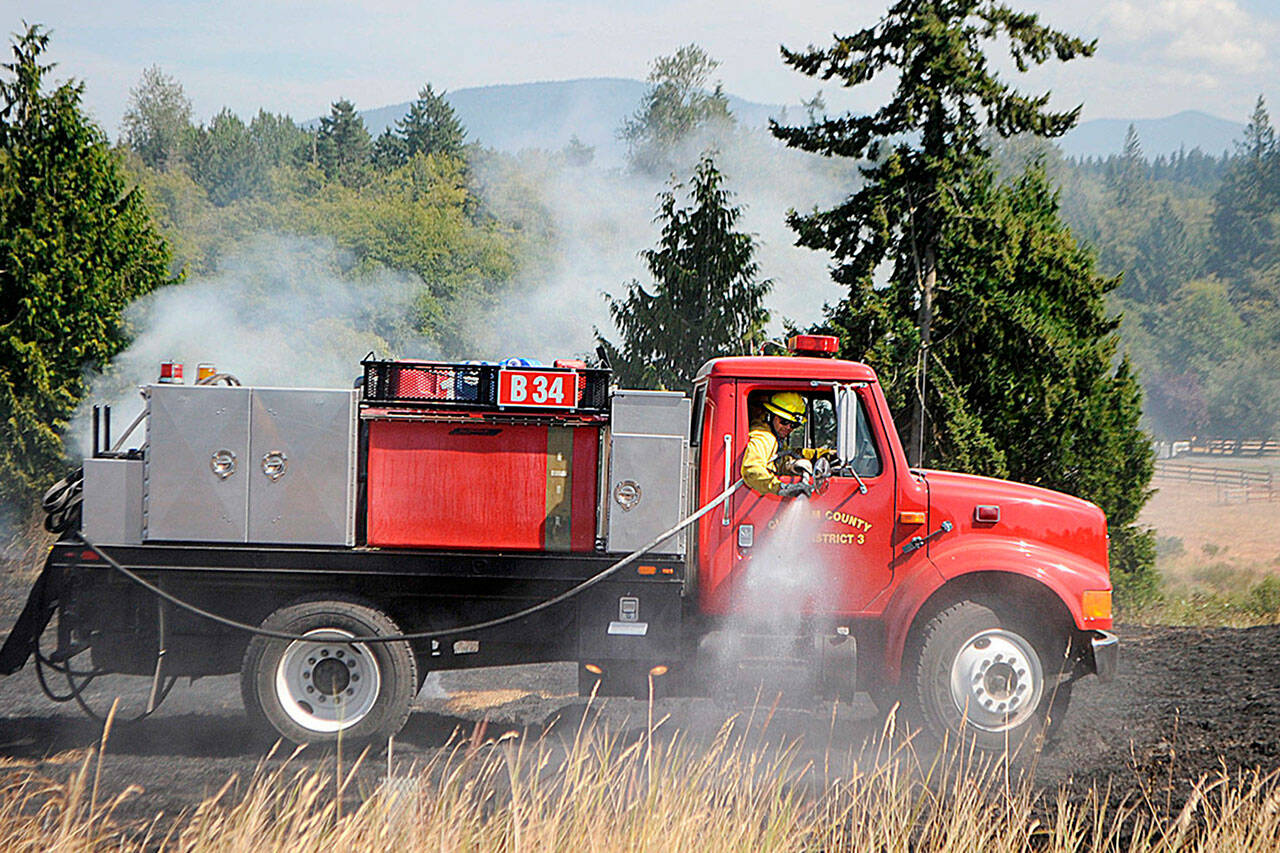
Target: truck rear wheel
pixel 325 687
pixel 982 674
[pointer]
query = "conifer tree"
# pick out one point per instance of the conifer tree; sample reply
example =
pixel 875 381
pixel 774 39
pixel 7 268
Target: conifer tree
pixel 76 246
pixel 1164 258
pixel 1246 216
pixel 1027 371
pixel 706 299
pixel 222 159
pixel 343 147
pixel 992 330
pixel 1128 182
pixel 924 146
pixel 431 126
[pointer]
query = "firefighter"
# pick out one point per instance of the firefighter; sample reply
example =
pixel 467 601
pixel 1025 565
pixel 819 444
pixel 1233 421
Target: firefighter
pixel 783 412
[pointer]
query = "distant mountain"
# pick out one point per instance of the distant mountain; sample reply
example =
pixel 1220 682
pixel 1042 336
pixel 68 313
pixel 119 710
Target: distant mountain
pixel 545 115
pixel 1188 129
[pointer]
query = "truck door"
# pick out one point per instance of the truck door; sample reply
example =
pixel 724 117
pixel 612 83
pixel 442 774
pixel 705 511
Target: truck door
pixel 830 553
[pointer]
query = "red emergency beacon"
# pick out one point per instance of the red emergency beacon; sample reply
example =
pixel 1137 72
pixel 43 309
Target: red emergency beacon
pixel 825 345
pixel 170 373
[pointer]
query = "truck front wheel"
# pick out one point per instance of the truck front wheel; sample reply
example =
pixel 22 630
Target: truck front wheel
pixel 324 687
pixel 983 674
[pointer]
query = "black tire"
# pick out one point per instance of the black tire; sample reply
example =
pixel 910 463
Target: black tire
pixel 316 692
pixel 983 674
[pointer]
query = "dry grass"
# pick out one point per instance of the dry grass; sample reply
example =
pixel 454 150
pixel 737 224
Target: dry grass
pixel 598 791
pixel 27 544
pixel 1219 564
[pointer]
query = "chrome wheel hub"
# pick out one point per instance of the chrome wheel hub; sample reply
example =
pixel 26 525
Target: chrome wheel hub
pixel 996 680
pixel 325 684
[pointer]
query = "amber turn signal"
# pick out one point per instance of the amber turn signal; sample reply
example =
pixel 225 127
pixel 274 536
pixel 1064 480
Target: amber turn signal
pixel 1096 603
pixel 911 518
pixel 593 669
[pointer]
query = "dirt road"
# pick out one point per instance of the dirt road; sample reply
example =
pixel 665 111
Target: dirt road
pixel 1186 702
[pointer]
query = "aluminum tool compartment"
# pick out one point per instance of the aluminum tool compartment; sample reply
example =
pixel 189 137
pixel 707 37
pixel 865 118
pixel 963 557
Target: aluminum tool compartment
pixel 237 464
pixel 648 461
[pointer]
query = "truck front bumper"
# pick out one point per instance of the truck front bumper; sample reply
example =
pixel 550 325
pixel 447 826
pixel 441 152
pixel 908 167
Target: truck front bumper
pixel 1106 654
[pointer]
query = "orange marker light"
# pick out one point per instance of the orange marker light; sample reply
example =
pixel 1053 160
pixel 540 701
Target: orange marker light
pixel 660 669
pixel 593 669
pixel 911 518
pixel 1096 603
pixel 647 570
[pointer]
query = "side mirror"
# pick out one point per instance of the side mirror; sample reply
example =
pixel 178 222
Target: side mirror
pixel 847 433
pixel 847 423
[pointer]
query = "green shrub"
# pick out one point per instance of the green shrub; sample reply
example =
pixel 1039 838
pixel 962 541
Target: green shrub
pixel 1264 598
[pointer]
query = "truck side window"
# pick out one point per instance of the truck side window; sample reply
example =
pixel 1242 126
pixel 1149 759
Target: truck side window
pixel 822 423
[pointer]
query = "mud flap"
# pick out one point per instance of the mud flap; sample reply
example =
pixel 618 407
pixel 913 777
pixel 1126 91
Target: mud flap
pixel 45 596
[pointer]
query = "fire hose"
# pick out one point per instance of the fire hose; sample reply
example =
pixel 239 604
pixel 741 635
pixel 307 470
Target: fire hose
pixel 421 635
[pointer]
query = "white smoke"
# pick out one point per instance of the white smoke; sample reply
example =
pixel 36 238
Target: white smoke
pixel 280 311
pixel 600 220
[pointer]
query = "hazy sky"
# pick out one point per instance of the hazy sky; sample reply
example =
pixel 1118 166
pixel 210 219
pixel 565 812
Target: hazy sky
pixel 1155 57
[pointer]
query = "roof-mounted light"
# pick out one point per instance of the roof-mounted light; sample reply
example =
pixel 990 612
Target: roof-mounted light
pixel 814 344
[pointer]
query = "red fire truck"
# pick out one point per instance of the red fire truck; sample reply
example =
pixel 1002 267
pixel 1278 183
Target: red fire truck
pixel 335 546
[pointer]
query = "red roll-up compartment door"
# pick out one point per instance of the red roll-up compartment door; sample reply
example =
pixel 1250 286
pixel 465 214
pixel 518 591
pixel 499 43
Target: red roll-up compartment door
pixel 487 486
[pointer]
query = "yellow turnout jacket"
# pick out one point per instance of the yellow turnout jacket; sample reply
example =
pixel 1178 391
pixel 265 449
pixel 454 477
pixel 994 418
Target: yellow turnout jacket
pixel 760 462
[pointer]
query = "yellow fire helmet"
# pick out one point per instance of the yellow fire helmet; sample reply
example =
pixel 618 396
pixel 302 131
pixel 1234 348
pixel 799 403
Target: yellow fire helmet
pixel 787 405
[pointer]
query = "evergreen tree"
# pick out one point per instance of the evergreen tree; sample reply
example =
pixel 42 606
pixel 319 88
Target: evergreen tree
pixel 224 161
pixel 706 300
pixel 343 147
pixel 1128 182
pixel 278 141
pixel 1024 363
pixel 676 105
pixel 389 151
pixel 431 126
pixel 1246 215
pixel 925 145
pixel 76 246
pixel 1164 258
pixel 158 120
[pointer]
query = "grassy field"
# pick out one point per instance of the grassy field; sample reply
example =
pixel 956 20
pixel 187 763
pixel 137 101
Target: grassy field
pixel 1219 562
pixel 598 791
